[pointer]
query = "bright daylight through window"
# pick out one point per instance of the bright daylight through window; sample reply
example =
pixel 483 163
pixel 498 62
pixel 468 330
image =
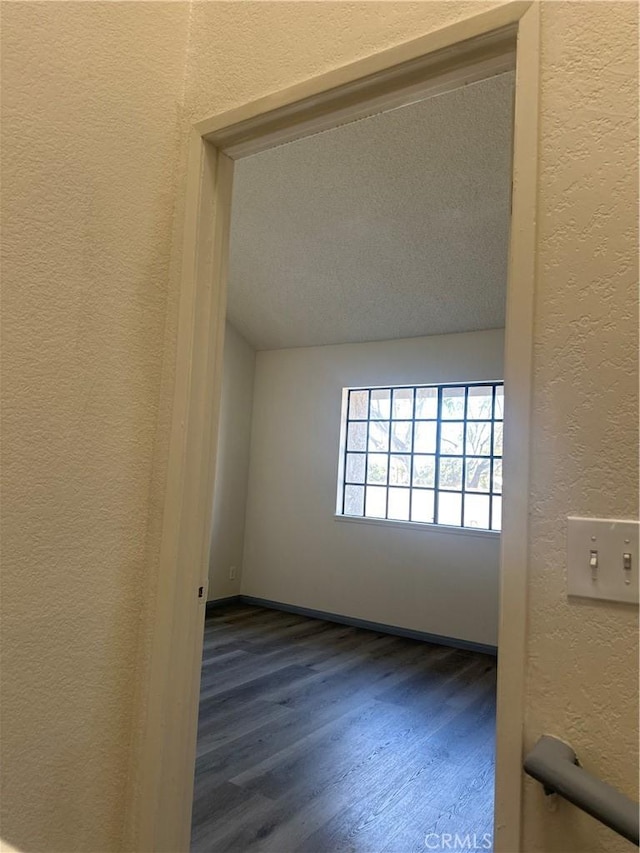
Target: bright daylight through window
pixel 430 454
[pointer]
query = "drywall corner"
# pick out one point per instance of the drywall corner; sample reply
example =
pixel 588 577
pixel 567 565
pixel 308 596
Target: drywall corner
pixel 232 468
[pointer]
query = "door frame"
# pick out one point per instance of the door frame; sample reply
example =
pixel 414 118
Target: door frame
pixel 482 45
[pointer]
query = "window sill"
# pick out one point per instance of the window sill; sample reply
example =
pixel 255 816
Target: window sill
pixel 415 525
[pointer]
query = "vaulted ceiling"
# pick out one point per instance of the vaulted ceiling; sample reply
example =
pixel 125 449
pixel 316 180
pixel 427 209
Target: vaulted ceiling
pixel 390 227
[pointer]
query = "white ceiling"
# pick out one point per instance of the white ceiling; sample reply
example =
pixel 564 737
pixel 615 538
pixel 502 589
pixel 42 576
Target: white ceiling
pixel 390 227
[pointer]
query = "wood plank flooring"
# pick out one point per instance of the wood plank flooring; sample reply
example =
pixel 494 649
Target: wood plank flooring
pixel 319 738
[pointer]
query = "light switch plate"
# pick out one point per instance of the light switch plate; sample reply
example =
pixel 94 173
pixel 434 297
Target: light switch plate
pixel 605 542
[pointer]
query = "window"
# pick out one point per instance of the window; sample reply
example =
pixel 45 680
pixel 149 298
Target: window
pixel 430 454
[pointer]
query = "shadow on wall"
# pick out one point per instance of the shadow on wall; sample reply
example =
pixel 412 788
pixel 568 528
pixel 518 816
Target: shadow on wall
pixel 232 466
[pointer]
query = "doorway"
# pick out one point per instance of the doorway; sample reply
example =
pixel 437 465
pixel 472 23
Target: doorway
pixel 363 359
pixel 472 50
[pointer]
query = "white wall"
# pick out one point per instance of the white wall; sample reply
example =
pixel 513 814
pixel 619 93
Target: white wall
pixel 230 494
pixel 297 552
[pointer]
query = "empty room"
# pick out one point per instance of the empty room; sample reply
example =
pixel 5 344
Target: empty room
pixel 347 695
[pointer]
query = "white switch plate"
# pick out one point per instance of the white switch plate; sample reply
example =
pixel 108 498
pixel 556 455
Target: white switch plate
pixel 611 539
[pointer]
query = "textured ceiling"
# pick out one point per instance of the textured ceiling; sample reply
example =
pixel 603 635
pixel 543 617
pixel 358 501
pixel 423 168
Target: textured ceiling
pixel 390 227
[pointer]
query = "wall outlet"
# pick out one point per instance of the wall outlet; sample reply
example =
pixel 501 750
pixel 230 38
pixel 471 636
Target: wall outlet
pixel 232 573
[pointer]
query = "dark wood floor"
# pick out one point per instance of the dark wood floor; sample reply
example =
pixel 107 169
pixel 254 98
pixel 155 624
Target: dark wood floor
pixel 318 737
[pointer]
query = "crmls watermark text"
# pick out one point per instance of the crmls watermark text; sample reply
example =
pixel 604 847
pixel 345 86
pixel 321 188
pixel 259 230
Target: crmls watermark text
pixel 458 841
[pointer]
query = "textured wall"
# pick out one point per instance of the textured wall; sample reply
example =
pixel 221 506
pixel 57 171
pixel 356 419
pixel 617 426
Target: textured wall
pixel 243 50
pixel 582 680
pixel 90 106
pixel 296 552
pixel 88 199
pixel 232 465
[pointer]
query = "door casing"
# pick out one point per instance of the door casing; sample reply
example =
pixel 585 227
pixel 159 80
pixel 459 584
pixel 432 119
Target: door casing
pixel 480 46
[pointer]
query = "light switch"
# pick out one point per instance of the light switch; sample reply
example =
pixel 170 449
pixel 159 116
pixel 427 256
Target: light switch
pixel 602 558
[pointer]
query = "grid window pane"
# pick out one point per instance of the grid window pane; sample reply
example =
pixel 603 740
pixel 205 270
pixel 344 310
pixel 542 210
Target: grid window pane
pixel 354 500
pixel 424 438
pixel 400 471
pixel 479 403
pixel 453 403
pixel 378 436
pixel 376 505
pixel 426 454
pixel 476 511
pixel 355 467
pixel 479 438
pixel 451 474
pixel 424 471
pixel 422 506
pixel 380 404
pixel 477 475
pixel 426 403
pixel 403 403
pixel 451 438
pixel 358 405
pixel 401 437
pixel 377 468
pixel 399 504
pixel 496 518
pixel 497 476
pixel 497 439
pixel 449 508
pixel 357 436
